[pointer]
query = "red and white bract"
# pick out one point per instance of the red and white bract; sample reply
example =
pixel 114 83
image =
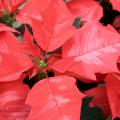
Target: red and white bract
pixel 94 49
pixel 55 98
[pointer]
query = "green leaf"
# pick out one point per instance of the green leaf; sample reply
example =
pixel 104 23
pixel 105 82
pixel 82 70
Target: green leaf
pixel 89 113
pixel 109 118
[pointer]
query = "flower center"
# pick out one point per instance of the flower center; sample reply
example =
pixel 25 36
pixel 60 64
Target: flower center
pixel 42 64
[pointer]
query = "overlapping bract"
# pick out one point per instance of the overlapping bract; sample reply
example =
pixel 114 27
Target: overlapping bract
pixel 10 5
pixel 32 50
pixel 92 49
pixel 113 84
pixel 12 100
pixel 53 27
pixel 13 61
pixel 86 9
pixel 28 45
pixel 31 9
pixel 89 51
pixel 100 99
pixel 57 99
pixel 115 4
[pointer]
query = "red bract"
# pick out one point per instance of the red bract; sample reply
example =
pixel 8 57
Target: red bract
pixel 86 9
pixel 55 28
pixel 116 23
pixel 30 48
pixel 12 100
pixel 113 84
pixel 13 61
pixel 4 28
pixel 31 9
pixel 54 47
pixel 57 99
pixel 33 51
pixel 100 99
pixel 115 4
pixel 10 6
pixel 89 50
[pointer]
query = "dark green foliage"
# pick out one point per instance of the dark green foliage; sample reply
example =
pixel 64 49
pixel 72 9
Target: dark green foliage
pixel 89 113
pixel 77 23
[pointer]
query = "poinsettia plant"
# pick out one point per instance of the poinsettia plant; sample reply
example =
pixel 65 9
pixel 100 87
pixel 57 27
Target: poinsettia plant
pixel 59 59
